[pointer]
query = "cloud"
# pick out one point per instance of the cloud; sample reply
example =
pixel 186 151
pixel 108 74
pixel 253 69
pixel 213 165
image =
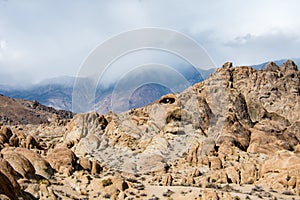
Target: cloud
pixel 249 49
pixel 2 44
pixel 238 41
pixel 45 39
pixel 2 48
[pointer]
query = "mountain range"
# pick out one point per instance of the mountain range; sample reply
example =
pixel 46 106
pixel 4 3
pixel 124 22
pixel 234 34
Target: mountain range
pixel 278 62
pixel 57 92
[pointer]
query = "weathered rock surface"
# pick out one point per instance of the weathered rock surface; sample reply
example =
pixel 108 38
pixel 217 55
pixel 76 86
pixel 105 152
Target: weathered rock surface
pixel 63 160
pixel 6 187
pixel 41 166
pixel 7 170
pixel 20 163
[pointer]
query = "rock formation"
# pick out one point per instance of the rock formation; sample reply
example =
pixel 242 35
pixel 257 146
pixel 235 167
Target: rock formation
pixel 233 136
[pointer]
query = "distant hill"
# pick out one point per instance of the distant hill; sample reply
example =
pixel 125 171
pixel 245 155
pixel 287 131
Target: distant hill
pixel 278 62
pixel 18 111
pixel 57 96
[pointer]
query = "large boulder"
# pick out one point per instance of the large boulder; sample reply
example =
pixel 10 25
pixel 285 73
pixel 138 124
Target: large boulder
pixel 31 142
pixel 248 173
pixel 10 173
pixel 6 187
pixel 62 160
pixel 85 163
pixel 20 163
pixel 111 185
pixel 5 134
pixel 281 172
pixel 82 124
pixel 272 134
pixel 6 131
pixel 281 161
pixel 41 166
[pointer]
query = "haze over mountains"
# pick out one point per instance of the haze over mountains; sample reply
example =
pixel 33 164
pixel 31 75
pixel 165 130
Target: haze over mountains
pixel 57 92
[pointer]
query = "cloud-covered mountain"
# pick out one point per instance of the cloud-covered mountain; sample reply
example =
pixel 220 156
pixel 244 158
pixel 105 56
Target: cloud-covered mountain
pixel 118 97
pixel 57 92
pixel 51 94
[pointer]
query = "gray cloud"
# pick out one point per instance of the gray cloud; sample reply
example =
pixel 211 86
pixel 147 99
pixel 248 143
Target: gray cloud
pixel 256 49
pixel 45 39
pixel 238 41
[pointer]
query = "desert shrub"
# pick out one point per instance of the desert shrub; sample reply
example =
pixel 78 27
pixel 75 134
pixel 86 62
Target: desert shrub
pixel 106 182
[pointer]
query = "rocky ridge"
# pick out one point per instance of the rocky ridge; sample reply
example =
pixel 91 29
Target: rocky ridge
pixel 18 111
pixel 233 136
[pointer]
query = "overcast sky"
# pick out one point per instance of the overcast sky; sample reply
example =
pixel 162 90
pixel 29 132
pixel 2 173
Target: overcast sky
pixel 43 39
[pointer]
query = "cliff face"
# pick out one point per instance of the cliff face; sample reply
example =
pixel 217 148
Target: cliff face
pixel 238 129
